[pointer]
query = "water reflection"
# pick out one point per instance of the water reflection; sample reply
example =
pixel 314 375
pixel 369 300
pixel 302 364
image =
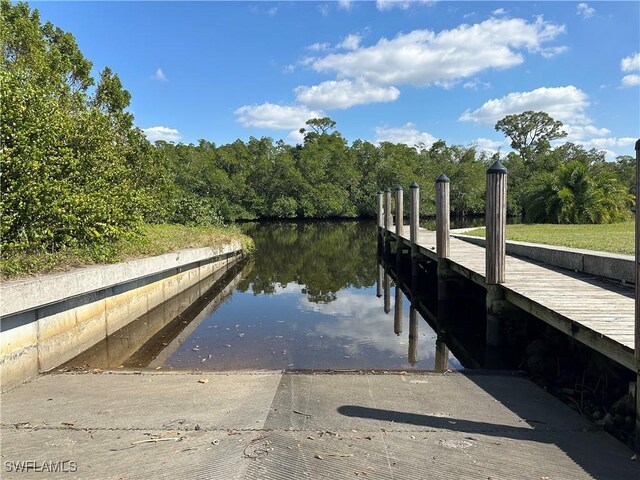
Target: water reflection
pixel 309 302
pixel 306 300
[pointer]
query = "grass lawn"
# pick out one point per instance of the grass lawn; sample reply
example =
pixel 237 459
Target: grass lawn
pixel 152 240
pixel 613 237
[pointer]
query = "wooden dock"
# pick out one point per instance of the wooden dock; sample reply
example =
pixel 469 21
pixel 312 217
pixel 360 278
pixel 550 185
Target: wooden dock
pixel 597 313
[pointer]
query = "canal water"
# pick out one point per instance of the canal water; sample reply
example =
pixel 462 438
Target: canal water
pixel 306 299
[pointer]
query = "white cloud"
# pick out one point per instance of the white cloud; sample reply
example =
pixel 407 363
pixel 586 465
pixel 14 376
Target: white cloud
pixel 567 104
pixel 590 136
pixel 270 115
pixel 631 80
pixel 475 84
pixel 585 11
pixel 612 142
pixel 630 63
pixel 162 133
pixel 407 134
pixel 487 145
pixel 498 11
pixel 295 137
pixel 423 57
pixel 385 5
pixel 577 133
pixel 323 9
pixel 551 52
pixel 288 69
pixel 159 75
pixel 319 47
pixel 345 5
pixel 344 94
pixel 350 42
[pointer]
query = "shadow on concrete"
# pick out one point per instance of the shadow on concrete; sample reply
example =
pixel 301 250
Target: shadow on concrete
pixel 430 421
pixel 594 451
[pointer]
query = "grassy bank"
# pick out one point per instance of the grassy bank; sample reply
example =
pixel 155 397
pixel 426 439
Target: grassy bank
pixel 614 237
pixel 152 240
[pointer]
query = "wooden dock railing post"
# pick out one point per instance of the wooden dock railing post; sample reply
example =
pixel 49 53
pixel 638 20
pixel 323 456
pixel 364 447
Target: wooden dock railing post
pixel 414 225
pixel 637 313
pixel 442 216
pixel 446 278
pixel 495 250
pixel 387 219
pixel 397 312
pixel 380 210
pixel 380 221
pixel 399 220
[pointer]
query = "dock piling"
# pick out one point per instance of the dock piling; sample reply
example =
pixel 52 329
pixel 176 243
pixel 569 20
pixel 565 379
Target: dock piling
pixel 380 210
pixel 495 251
pixel 386 287
pixel 414 225
pixel 397 312
pixel 399 221
pixel 387 219
pixel 442 216
pixel 446 278
pixel 413 336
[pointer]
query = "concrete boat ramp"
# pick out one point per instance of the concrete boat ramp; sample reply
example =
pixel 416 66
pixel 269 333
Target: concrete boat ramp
pixel 276 425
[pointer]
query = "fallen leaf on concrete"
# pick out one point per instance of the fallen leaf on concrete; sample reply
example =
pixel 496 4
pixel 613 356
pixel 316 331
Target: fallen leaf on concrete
pixel 335 454
pixel 318 457
pixel 203 380
pixel 302 413
pixel 156 440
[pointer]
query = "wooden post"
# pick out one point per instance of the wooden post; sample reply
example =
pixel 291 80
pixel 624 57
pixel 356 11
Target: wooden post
pixel 446 278
pixel 380 211
pixel 442 216
pixel 414 225
pixel 379 280
pixel 397 312
pixel 413 336
pixel 442 356
pixel 637 331
pixel 496 218
pixel 387 218
pixel 495 250
pixel 399 225
pixel 386 287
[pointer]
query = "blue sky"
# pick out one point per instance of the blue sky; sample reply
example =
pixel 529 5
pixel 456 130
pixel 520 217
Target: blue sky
pixel 399 71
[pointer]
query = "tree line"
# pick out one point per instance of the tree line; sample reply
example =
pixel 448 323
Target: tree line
pixel 76 170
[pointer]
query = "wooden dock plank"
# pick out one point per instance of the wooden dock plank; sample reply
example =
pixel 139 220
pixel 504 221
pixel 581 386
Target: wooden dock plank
pixel 596 312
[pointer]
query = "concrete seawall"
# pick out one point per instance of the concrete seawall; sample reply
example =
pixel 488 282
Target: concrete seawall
pixel 600 264
pixel 48 320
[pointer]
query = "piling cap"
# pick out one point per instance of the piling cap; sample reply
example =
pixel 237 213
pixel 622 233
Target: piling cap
pixel 398 188
pixel 414 184
pixel 442 179
pixel 380 192
pixel 638 145
pixel 387 190
pixel 497 168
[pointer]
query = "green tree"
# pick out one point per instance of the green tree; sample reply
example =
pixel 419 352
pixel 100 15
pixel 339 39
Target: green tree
pixel 530 132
